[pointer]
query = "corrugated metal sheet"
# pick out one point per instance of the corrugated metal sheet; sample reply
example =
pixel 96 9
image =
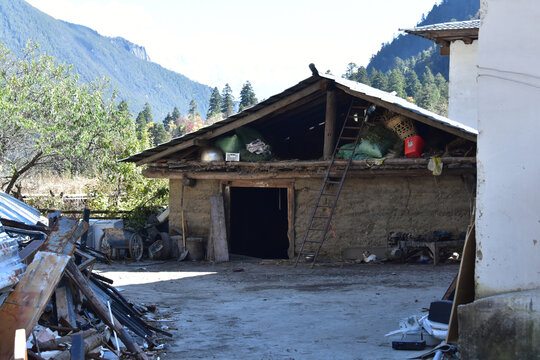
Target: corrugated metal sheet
pixel 13 209
pixel 11 268
pixel 354 86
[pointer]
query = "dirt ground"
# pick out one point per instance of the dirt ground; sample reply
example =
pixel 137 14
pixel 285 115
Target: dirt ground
pixel 276 311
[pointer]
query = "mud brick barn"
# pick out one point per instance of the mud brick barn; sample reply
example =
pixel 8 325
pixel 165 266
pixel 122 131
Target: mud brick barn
pixel 268 162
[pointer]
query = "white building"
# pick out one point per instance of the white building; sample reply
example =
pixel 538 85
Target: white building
pixel 459 39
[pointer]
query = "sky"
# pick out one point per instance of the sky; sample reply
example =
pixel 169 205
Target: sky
pixel 269 43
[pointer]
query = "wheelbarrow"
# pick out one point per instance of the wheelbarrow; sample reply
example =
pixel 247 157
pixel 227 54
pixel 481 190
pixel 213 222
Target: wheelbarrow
pixel 114 239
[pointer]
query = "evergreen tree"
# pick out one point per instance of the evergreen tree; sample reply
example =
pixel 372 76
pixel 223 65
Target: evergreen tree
pixel 247 96
pixel 167 122
pixel 158 134
pixel 362 76
pixel 442 85
pixel 350 73
pixel 193 112
pixel 176 114
pixel 396 82
pixel 214 105
pixel 429 95
pixel 412 84
pixel 227 101
pixel 378 80
pixel 143 118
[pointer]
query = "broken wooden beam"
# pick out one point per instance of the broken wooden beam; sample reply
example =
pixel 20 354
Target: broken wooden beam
pixel 24 306
pixel 61 342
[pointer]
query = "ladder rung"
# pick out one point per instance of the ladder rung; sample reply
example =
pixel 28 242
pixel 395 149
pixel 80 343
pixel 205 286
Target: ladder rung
pixel 312 241
pixel 327 194
pixel 316 229
pixel 352 127
pixel 320 217
pixel 347 138
pixel 332 182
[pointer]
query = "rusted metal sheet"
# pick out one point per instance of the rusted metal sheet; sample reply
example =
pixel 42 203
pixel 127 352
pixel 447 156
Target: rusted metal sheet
pixel 13 209
pixel 11 267
pixel 26 303
pixel 64 235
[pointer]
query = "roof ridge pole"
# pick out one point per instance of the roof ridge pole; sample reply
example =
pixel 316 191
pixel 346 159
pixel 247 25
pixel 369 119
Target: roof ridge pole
pixel 330 123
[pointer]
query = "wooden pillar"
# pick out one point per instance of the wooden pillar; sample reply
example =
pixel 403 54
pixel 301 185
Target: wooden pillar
pixel 330 124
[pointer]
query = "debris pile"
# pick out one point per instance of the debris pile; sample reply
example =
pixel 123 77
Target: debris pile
pixel 52 304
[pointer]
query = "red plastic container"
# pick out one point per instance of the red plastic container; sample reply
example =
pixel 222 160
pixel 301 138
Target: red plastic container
pixel 413 147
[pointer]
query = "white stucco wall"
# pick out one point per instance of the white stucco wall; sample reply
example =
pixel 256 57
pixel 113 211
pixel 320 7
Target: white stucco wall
pixel 508 198
pixel 463 89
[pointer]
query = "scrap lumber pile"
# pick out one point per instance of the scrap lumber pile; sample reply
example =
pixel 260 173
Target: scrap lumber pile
pixel 57 306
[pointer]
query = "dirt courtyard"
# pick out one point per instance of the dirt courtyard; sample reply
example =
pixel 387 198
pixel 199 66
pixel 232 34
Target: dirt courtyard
pixel 276 311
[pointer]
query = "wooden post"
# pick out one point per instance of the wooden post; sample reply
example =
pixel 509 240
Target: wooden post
pixel 218 230
pixel 330 124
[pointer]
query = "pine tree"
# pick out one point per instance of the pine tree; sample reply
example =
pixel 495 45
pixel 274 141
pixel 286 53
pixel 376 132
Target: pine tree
pixel 350 73
pixel 193 113
pixel 158 135
pixel 143 118
pixel 227 101
pixel 362 76
pixel 412 84
pixel 396 82
pixel 214 105
pixel 176 114
pixel 378 80
pixel 167 121
pixel 247 96
pixel 442 85
pixel 429 95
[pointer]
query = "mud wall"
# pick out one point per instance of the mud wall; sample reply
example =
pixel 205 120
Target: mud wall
pixel 196 205
pixel 369 208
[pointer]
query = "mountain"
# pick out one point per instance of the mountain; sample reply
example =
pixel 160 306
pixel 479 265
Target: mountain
pixel 92 55
pixel 406 46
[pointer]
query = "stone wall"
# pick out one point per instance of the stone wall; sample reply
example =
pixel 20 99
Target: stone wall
pixel 367 210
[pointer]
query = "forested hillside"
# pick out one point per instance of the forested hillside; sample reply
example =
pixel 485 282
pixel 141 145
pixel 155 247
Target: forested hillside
pixel 127 65
pixel 406 46
pixel 411 66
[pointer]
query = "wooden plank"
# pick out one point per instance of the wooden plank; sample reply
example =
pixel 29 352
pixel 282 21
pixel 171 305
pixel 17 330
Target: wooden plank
pixel 30 249
pixel 65 234
pixel 330 125
pixel 219 230
pixel 19 352
pixel 465 284
pixel 26 303
pixel 77 347
pixel 64 310
pixel 265 111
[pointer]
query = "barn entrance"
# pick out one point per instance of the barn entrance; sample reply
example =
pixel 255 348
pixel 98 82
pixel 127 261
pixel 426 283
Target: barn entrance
pixel 259 222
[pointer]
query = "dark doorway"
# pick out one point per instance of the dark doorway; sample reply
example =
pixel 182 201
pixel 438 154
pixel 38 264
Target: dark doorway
pixel 259 222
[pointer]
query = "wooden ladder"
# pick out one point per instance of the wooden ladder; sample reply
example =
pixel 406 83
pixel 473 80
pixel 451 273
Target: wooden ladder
pixel 321 217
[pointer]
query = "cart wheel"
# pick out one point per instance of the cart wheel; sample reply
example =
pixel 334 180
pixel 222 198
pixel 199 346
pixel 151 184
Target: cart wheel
pixel 136 247
pixel 105 247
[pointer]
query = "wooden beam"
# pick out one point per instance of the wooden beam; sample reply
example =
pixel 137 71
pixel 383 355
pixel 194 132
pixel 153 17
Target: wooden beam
pixel 410 114
pixel 444 51
pixel 265 111
pixel 24 306
pixel 330 124
pixel 219 230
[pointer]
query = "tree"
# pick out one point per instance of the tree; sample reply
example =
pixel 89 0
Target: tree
pixel 214 104
pixel 192 112
pixel 378 80
pixel 247 96
pixel 167 122
pixel 176 114
pixel 227 102
pixel 429 95
pixel 396 82
pixel 51 120
pixel 362 76
pixel 143 119
pixel 158 134
pixel 412 84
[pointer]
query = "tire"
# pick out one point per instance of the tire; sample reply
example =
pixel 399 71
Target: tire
pixel 136 247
